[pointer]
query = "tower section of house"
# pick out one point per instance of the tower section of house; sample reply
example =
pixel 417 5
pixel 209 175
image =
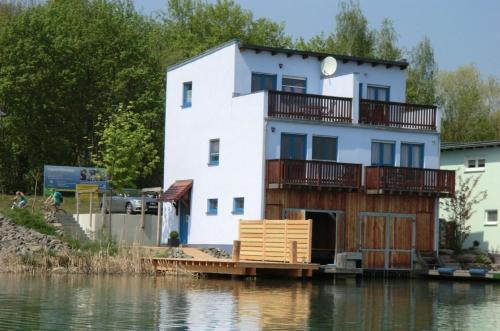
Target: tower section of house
pixel 256 132
pixel 478 159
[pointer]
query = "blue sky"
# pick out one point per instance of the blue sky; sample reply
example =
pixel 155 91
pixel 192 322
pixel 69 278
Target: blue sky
pixel 461 31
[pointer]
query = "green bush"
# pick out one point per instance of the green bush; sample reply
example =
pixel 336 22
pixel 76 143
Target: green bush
pixel 104 244
pixel 174 234
pixel 35 221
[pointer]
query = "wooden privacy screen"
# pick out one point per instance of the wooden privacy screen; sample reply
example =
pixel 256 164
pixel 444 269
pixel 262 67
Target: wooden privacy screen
pixel 269 240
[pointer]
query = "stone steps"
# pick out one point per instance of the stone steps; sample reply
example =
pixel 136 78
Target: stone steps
pixel 70 227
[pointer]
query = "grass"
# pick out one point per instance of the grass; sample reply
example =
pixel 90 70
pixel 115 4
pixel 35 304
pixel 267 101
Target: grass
pixel 26 218
pixel 69 203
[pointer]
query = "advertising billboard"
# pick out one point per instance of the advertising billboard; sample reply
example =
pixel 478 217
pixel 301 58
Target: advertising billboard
pixel 65 178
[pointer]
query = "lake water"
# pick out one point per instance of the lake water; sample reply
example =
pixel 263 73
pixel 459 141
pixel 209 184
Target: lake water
pixel 146 303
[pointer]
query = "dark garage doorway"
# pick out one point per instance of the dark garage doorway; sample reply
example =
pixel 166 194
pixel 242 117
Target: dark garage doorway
pixel 323 236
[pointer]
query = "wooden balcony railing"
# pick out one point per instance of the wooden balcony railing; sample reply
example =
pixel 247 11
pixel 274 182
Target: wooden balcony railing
pixel 383 179
pixel 396 114
pixel 313 173
pixel 309 107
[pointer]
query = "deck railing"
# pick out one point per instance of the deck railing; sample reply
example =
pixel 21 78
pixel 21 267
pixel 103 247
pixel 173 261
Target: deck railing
pixel 313 173
pixel 309 107
pixel 396 114
pixel 410 180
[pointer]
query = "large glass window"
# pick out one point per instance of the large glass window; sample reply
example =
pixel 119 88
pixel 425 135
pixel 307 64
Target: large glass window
pixel 293 146
pixel 324 148
pixel 383 153
pixel 380 93
pixel 293 84
pixel 213 158
pixel 412 155
pixel 262 82
pixel 187 94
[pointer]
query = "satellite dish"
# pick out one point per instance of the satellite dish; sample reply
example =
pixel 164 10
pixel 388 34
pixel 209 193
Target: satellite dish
pixel 328 66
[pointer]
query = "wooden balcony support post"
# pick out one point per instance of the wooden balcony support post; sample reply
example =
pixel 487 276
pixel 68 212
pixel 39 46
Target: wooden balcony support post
pixel 236 250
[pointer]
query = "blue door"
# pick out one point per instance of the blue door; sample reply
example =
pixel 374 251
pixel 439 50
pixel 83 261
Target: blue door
pixel 184 224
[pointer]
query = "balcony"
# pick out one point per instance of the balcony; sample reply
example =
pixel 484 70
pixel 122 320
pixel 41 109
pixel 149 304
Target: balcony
pixel 309 107
pixel 322 108
pixel 313 174
pixel 396 114
pixel 380 180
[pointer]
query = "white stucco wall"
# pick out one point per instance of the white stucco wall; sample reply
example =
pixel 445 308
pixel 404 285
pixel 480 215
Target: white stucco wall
pixel 309 68
pixel 239 125
pixel 354 144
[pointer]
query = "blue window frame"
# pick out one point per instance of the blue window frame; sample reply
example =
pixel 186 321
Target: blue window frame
pixel 294 84
pixel 293 146
pixel 324 148
pixel 212 206
pixel 262 82
pixel 187 94
pixel 383 153
pixel 412 155
pixel 380 93
pixel 213 154
pixel 238 206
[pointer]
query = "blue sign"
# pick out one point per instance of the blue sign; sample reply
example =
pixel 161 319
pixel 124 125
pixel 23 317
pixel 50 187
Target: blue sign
pixel 65 178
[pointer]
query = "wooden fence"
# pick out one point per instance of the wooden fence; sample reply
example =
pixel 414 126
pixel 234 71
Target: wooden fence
pixel 271 240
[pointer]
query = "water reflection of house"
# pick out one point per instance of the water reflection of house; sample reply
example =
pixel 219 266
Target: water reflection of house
pixel 479 159
pixel 256 132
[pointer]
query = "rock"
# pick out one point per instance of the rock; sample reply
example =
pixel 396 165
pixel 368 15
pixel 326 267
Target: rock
pixel 35 248
pixel 466 258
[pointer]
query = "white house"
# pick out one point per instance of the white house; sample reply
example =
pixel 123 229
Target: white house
pixel 257 132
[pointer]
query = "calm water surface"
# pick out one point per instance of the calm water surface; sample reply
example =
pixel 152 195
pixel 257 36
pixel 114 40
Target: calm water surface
pixel 135 303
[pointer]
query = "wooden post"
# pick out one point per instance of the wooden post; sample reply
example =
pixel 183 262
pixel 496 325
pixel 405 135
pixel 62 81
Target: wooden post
pixel 143 207
pixel 103 209
pixel 293 251
pixel 90 207
pixel 77 207
pixel 158 224
pixel 236 250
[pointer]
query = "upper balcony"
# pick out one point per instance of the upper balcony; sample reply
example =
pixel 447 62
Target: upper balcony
pixel 380 180
pixel 329 109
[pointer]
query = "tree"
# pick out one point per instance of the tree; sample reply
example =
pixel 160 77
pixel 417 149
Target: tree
pixel 352 35
pixel 386 40
pixel 421 83
pixel 465 115
pixel 126 149
pixel 460 208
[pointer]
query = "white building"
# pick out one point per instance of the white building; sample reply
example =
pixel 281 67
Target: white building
pixel 233 109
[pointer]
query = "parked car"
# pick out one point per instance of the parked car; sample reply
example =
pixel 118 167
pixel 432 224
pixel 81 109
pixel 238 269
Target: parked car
pixel 129 201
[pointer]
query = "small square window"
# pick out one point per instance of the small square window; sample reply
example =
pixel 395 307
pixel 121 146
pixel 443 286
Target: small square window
pixel 471 163
pixel 212 206
pixel 491 217
pixel 238 205
pixel 475 164
pixel 480 163
pixel 187 94
pixel 213 157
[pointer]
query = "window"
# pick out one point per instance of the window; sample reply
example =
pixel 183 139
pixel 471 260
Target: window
pixel 475 164
pixel 238 205
pixel 412 155
pixel 380 93
pixel 324 148
pixel 213 158
pixel 293 84
pixel 212 206
pixel 491 217
pixel 262 82
pixel 187 94
pixel 382 153
pixel 293 146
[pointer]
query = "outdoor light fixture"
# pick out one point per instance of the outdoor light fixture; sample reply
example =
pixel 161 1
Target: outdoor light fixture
pixel 273 129
pixel 280 65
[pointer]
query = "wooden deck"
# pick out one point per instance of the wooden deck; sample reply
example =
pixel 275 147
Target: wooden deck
pixel 228 267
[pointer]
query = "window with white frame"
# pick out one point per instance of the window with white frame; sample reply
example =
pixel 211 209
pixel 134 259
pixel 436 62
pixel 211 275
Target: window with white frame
pixel 475 164
pixel 491 217
pixel 293 84
pixel 213 157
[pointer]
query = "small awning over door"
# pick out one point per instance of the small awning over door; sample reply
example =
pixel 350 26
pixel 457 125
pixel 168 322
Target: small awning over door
pixel 176 190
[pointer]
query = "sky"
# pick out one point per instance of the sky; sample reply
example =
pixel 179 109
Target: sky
pixel 461 31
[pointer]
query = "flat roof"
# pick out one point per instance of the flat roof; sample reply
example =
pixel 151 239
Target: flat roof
pixel 469 145
pixel 403 64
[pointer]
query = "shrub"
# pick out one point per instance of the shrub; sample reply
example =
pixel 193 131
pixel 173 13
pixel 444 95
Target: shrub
pixel 28 219
pixel 174 234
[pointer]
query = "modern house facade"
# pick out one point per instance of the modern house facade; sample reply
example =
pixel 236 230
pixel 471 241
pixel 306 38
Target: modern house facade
pixel 478 159
pixel 256 132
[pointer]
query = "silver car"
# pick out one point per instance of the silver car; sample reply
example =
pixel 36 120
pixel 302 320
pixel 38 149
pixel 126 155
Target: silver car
pixel 129 201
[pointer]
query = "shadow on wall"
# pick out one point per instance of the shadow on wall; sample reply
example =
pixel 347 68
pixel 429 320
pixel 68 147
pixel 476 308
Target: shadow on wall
pixel 479 236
